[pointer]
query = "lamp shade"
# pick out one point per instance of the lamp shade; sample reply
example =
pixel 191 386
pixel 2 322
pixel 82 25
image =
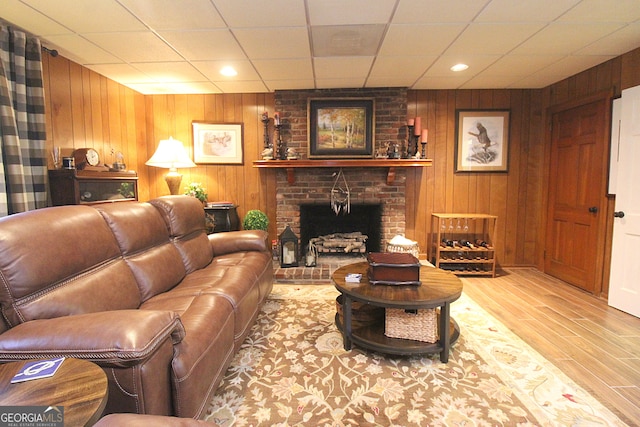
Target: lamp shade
pixel 170 154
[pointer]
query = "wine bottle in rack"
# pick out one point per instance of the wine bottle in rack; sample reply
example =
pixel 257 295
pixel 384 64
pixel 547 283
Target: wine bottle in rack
pixel 480 242
pixel 467 244
pixel 447 243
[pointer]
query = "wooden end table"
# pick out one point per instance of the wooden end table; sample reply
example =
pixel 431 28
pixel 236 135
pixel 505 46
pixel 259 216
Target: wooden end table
pixel 439 288
pixel 78 385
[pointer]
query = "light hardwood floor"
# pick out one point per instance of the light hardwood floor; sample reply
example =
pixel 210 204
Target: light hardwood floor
pixel 595 345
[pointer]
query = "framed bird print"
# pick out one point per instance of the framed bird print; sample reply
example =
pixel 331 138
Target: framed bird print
pixel 482 140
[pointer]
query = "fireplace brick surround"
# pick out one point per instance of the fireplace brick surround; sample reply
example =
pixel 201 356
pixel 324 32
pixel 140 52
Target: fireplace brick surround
pixel 367 185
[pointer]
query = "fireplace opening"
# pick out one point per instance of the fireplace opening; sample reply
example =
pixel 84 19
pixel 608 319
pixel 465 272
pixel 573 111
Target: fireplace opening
pixel 319 220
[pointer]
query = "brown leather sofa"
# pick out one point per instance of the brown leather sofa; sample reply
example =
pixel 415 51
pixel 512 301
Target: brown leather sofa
pixel 138 288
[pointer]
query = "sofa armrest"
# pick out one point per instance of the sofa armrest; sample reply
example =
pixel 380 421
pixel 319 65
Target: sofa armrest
pixel 117 338
pixel 238 241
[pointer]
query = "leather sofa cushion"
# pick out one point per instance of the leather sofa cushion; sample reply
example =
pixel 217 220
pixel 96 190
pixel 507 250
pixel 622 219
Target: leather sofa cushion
pixel 143 238
pixel 206 350
pixel 61 261
pixel 184 218
pixel 114 338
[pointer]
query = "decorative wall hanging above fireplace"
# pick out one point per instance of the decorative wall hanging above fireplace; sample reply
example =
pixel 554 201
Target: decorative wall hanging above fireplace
pixel 341 127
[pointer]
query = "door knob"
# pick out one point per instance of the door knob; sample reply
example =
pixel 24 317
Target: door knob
pixel 619 214
pixel 593 209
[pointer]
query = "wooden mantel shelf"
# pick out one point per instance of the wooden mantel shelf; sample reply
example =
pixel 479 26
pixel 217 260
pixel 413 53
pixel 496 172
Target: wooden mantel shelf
pixel 392 164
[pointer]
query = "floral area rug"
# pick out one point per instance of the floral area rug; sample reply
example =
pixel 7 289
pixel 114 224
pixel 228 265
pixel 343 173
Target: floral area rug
pixel 293 371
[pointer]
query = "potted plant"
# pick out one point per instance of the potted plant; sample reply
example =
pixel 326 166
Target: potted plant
pixel 255 220
pixel 195 189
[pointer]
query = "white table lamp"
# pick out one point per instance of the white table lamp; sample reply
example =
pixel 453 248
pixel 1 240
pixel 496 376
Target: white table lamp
pixel 172 155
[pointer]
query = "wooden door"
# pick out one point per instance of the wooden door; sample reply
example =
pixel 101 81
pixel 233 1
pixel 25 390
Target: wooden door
pixel 576 194
pixel 624 289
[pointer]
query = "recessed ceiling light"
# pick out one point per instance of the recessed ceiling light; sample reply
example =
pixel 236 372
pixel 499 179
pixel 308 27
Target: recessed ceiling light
pixel 228 71
pixel 459 67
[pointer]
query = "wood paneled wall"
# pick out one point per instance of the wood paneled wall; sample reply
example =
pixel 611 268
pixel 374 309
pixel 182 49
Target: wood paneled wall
pixel 88 110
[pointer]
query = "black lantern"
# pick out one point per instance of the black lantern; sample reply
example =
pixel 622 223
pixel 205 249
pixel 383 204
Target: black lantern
pixel 288 248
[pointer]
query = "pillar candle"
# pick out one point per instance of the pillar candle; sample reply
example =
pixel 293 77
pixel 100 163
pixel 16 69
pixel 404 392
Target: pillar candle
pixel 410 122
pixel 425 133
pixel 417 127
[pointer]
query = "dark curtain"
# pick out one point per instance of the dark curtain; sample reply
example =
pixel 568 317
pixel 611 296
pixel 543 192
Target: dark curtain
pixel 23 175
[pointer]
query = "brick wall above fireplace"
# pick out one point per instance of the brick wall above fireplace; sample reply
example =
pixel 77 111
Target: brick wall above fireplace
pixel 368 185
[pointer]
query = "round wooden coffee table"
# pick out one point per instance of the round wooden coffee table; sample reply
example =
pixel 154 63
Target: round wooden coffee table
pixel 439 288
pixel 79 386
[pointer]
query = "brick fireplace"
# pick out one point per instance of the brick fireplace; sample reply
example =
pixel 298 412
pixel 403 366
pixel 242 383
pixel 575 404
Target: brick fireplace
pixel 368 185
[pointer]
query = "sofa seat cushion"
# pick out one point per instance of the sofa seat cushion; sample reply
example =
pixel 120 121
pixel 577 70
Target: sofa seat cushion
pixel 206 351
pixel 258 263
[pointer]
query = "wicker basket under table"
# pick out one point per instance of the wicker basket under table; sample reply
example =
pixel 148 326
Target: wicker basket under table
pixel 418 325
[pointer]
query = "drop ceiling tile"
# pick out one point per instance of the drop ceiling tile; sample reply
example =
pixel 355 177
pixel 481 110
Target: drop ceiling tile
pixel 289 84
pixel 204 45
pixel 211 70
pixel 521 65
pixel 441 82
pixel 574 64
pixel 88 15
pixel 284 69
pixel 170 71
pixel 389 82
pixel 135 46
pixel 524 11
pixel 252 14
pixel 419 40
pixel 617 43
pixel 431 11
pixel 482 39
pixel 123 73
pixel 604 11
pixel 339 83
pixel 476 63
pixel 338 67
pixel 394 66
pixel 173 88
pixel 78 49
pixel 563 38
pixel 242 87
pixel 353 12
pixel 346 40
pixel 25 17
pixel 281 42
pixel 170 14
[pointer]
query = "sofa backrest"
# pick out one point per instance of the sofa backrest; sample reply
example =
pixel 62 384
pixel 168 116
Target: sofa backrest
pixel 61 261
pixel 184 218
pixel 143 239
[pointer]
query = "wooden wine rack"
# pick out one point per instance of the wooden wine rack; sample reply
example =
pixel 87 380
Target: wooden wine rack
pixel 455 228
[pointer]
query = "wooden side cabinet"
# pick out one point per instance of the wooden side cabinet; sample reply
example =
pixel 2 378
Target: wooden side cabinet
pixel 75 187
pixel 222 217
pixel 463 243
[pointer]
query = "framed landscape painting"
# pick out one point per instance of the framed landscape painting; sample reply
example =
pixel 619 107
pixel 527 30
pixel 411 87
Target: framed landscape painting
pixel 341 127
pixel 217 143
pixel 482 140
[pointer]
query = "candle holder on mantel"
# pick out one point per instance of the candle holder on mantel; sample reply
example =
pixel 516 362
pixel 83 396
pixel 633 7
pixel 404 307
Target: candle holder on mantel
pixel 412 142
pixel 265 122
pixel 423 154
pixel 281 148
